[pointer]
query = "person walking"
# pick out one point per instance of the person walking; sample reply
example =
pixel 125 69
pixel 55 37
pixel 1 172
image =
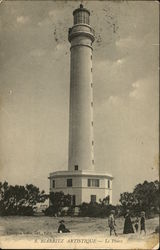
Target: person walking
pixel 142 223
pixel 112 223
pixel 128 228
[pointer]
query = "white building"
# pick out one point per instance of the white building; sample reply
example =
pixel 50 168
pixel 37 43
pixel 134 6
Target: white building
pixel 81 180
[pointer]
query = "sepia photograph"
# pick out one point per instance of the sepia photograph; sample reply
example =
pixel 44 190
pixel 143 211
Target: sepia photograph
pixel 79 124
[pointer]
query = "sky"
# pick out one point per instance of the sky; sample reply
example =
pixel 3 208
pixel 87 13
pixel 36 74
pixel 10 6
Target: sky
pixel 34 90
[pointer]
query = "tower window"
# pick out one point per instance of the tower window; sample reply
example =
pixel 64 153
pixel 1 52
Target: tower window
pixel 91 69
pixel 91 85
pixel 92 123
pixel 53 183
pixel 76 167
pixel 92 104
pixel 91 57
pixel 108 183
pixel 69 182
pixel 92 161
pixel 93 198
pixel 93 182
pixel 92 143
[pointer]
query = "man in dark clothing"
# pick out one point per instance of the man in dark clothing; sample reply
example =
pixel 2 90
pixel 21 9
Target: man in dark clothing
pixel 62 228
pixel 128 228
pixel 142 223
pixel 136 224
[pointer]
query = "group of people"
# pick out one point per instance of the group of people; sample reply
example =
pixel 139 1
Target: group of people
pixel 128 224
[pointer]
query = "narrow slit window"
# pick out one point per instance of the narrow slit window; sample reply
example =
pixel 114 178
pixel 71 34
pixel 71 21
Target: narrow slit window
pixel 53 183
pixel 76 167
pixel 91 104
pixel 69 182
pixel 108 183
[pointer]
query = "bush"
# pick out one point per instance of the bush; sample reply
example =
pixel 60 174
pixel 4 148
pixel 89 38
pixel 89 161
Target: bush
pixel 50 211
pixel 19 200
pixel 96 210
pixel 59 201
pixel 145 197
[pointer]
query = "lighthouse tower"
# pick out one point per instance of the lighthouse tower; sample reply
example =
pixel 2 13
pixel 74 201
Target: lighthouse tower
pixel 81 180
pixel 81 141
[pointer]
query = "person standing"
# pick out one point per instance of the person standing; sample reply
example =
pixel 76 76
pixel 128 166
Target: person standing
pixel 112 223
pixel 128 228
pixel 136 225
pixel 143 223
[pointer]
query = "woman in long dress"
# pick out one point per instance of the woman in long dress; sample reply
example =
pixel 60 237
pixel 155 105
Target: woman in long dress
pixel 128 228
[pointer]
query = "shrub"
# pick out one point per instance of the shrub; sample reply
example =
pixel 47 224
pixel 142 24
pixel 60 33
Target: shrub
pixel 96 210
pixel 19 200
pixel 50 211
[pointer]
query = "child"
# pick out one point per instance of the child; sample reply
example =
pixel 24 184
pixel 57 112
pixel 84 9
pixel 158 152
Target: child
pixel 62 228
pixel 111 223
pixel 142 222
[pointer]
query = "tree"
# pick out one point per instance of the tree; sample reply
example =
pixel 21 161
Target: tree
pixel 19 200
pixel 105 201
pixel 145 197
pixel 58 201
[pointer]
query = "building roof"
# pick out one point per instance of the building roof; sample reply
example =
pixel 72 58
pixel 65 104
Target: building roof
pixel 81 8
pixel 81 173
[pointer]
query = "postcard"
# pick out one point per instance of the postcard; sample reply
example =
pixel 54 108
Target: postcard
pixel 79 130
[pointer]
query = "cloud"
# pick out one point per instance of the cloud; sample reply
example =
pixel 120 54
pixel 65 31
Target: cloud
pixel 135 90
pixel 120 61
pixel 22 19
pixel 113 100
pixel 51 13
pixel 37 52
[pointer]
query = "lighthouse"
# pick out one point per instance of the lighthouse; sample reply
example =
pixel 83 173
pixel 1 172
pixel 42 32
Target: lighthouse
pixel 82 181
pixel 81 141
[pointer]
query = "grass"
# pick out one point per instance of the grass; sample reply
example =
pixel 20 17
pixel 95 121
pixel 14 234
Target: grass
pixel 14 229
pixel 31 225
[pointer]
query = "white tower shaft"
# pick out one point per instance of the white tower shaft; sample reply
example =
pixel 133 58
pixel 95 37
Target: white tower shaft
pixel 81 141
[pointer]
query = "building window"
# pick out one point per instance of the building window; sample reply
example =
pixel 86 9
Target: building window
pixel 108 199
pixel 91 85
pixel 92 123
pixel 92 161
pixel 93 182
pixel 92 143
pixel 69 182
pixel 91 69
pixel 73 200
pixel 108 183
pixel 53 183
pixel 93 198
pixel 91 57
pixel 76 167
pixel 91 104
